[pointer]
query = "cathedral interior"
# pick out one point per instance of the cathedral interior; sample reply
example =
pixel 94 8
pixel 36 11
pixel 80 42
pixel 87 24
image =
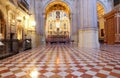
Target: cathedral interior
pixel 59 38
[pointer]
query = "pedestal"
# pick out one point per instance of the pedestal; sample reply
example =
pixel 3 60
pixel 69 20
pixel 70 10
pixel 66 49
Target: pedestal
pixel 88 38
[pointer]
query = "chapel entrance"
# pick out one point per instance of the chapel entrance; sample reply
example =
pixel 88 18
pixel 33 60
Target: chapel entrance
pixel 57 22
pixel 100 14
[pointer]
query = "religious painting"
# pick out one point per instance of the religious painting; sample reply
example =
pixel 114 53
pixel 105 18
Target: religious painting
pixel 57 14
pixel 50 25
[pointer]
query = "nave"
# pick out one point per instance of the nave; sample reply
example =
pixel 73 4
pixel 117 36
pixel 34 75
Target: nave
pixel 62 61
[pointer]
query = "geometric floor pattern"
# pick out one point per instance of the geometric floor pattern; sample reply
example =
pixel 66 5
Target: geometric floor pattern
pixel 61 61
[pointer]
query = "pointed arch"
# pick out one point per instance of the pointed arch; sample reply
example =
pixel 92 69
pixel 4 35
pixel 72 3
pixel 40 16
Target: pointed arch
pixel 63 1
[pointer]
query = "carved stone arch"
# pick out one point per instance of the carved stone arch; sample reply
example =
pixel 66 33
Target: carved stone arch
pixel 43 9
pixel 50 1
pixel 46 7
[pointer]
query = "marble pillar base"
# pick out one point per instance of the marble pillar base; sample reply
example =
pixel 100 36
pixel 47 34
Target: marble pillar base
pixel 42 40
pixel 88 38
pixel 74 37
pixel 35 39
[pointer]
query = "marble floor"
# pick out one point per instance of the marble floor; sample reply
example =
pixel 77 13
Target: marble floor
pixel 63 61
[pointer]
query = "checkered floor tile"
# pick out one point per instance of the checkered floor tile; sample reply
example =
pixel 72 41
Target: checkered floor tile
pixel 62 61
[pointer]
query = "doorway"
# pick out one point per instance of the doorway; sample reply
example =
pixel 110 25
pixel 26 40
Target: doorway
pixel 100 13
pixel 2 26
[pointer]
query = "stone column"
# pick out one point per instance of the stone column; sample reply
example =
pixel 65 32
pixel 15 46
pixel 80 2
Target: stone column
pixel 74 32
pixel 88 32
pixel 42 29
pixel 40 19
